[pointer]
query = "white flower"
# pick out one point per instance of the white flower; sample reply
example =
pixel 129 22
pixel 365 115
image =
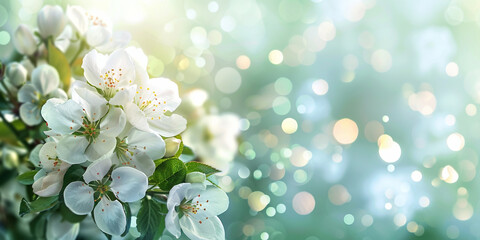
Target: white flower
pixel 44 85
pixel 17 74
pixel 152 107
pixel 127 184
pixel 113 75
pixel 49 180
pixel 138 149
pixel 96 29
pixel 24 41
pixel 60 229
pixel 63 40
pixel 199 206
pixel 172 145
pixel 140 60
pixel 50 21
pixel 89 132
pixel 214 139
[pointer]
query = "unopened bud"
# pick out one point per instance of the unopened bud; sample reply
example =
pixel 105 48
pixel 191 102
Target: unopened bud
pixel 171 145
pixel 17 74
pixel 24 41
pixel 195 177
pixel 10 159
pixel 51 21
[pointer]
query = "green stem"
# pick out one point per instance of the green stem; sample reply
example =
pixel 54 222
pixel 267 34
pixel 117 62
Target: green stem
pixel 14 130
pixel 83 44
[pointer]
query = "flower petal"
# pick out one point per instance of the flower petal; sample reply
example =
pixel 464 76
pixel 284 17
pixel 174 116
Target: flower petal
pixel 45 79
pixel 136 117
pixel 176 195
pixel 119 62
pixel 94 105
pixel 98 35
pixel 78 197
pixel 97 170
pixel 78 18
pixel 114 123
pixel 167 90
pixel 171 223
pixel 118 40
pixel 63 117
pixel 93 62
pixel 124 95
pixel 110 217
pixel 168 126
pixel 58 93
pixel 30 114
pixel 149 143
pixel 27 93
pixel 129 184
pixel 140 60
pixel 206 229
pixel 211 202
pixel 101 147
pixel 50 21
pixel 71 149
pixel 48 155
pixel 58 229
pixel 50 184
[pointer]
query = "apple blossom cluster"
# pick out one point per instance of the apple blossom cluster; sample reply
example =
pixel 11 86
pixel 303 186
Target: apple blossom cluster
pixel 102 138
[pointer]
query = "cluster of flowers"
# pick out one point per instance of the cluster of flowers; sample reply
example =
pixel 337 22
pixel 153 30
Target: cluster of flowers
pixel 115 126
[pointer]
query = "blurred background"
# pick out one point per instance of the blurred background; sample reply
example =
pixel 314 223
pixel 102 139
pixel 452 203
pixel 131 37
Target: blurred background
pixel 357 118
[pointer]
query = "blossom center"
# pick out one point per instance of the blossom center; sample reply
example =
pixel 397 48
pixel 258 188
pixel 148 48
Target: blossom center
pixel 151 104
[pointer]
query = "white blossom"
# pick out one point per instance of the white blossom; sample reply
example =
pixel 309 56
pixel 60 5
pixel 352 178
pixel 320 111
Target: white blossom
pixel 24 40
pixel 50 21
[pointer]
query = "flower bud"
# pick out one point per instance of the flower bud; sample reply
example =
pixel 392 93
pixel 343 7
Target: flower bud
pixel 10 159
pixel 50 21
pixel 24 41
pixel 195 177
pixel 17 74
pixel 171 145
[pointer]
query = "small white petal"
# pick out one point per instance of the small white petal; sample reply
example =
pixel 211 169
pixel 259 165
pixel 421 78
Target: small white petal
pixel 93 62
pixel 110 217
pixel 60 229
pixel 97 170
pixel 71 149
pixel 206 229
pixel 118 40
pixel 63 40
pixel 58 93
pixel 140 60
pixel 16 74
pixel 124 96
pixel 63 117
pixel 30 114
pixel 50 184
pixel 98 35
pixel 27 93
pixel 214 201
pixel 101 147
pixel 48 155
pixel 129 184
pixel 168 126
pixel 78 18
pixel 171 223
pixel 114 123
pixel 136 117
pixel 45 79
pixel 140 161
pixel 149 143
pixel 165 89
pixel 78 197
pixel 94 105
pixel 177 194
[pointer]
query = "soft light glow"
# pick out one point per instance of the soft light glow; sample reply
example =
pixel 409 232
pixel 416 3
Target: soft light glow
pixel 303 203
pixel 243 62
pixel 258 201
pixel 338 195
pixel 449 174
pixel 462 210
pixel 451 69
pixel 381 60
pixel 423 102
pixel 345 131
pixel 471 110
pixel 275 57
pixel 388 149
pixel 289 125
pixel 320 87
pixel 416 176
pixel 455 142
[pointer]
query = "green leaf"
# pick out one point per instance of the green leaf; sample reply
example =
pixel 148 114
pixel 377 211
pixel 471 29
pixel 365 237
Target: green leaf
pixel 27 178
pixel 169 173
pixel 68 215
pixel 128 214
pixel 200 167
pixel 151 218
pixel 187 154
pixel 39 205
pixel 58 60
pixel 38 226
